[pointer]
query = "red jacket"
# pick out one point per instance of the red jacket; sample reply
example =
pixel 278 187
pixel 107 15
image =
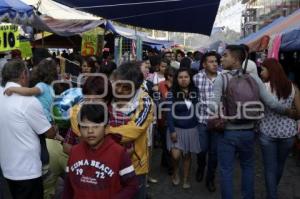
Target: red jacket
pixel 105 173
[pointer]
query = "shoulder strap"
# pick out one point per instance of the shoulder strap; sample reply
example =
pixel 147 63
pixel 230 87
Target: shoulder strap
pixel 293 94
pixel 225 80
pixel 224 84
pixel 224 87
pixel 246 65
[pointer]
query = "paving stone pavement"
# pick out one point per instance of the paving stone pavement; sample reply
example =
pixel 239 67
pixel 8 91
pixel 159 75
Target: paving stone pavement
pixel 289 187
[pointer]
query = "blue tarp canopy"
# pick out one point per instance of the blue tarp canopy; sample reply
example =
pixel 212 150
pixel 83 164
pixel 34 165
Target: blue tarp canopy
pixel 132 34
pixel 15 11
pixel 195 16
pixel 290 41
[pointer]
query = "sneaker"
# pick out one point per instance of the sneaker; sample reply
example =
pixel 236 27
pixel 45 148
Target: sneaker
pixel 175 180
pixel 186 185
pixel 152 180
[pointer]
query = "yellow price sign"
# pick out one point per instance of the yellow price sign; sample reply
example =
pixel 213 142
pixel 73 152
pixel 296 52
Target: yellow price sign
pixel 25 49
pixel 9 37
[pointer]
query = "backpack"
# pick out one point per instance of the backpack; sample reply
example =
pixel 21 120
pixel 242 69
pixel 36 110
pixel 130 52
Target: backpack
pixel 241 97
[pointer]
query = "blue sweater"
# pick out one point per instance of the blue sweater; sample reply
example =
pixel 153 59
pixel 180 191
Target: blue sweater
pixel 181 110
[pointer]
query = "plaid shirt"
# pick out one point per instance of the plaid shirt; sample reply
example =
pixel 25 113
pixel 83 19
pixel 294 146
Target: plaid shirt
pixel 117 118
pixel 205 88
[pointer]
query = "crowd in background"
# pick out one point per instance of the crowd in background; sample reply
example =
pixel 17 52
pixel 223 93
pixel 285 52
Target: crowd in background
pixel 164 101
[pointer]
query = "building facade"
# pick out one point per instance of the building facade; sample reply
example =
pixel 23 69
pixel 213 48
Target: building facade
pixel 259 13
pixel 229 15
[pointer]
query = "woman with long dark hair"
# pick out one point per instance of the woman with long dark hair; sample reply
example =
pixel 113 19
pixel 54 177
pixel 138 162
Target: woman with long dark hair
pixel 88 65
pixel 183 137
pixel 277 131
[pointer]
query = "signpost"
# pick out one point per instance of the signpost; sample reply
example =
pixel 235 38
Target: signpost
pixel 139 49
pixel 118 50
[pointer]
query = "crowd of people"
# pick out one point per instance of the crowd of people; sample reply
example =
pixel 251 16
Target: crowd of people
pixel 211 105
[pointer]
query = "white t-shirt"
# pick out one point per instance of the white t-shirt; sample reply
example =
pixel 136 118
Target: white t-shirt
pixel 21 120
pixel 157 78
pixel 175 64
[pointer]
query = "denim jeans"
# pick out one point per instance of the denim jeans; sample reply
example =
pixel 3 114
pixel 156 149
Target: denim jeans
pixel 275 152
pixel 230 143
pixel 208 144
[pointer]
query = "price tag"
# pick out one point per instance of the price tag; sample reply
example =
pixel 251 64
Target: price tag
pixel 9 37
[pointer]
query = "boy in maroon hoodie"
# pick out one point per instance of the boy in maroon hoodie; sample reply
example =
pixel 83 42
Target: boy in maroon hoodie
pixel 98 167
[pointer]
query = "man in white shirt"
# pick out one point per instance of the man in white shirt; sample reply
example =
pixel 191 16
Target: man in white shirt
pixel 21 120
pixel 2 62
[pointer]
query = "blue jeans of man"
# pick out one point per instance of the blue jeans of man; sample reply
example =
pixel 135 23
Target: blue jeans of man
pixel 230 143
pixel 208 144
pixel 275 152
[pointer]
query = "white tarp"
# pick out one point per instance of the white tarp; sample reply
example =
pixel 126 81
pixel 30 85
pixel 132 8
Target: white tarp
pixel 59 11
pixel 65 27
pixel 60 19
pixel 132 34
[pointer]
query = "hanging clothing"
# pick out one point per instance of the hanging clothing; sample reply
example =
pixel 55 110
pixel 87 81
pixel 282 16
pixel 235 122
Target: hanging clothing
pixel 275 47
